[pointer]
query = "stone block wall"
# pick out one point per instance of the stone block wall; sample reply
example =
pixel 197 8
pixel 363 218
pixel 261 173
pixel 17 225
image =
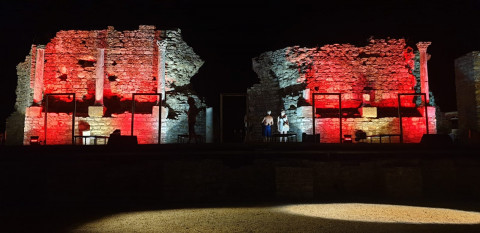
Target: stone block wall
pixel 467 81
pixel 59 126
pixel 24 93
pixel 384 66
pixel 382 69
pixel 132 63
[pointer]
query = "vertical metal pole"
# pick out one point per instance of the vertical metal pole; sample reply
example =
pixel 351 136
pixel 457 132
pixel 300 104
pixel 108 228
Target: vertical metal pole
pixel 313 118
pixel 246 115
pixel 221 118
pixel 160 119
pixel 340 113
pixel 133 113
pixel 73 118
pixel 426 112
pixel 400 119
pixel 45 123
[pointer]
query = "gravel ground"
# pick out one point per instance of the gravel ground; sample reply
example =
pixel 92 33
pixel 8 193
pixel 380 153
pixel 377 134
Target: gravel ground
pixel 350 217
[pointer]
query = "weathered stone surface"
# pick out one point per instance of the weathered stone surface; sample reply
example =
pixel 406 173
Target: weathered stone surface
pixel 467 82
pixel 95 111
pixel 368 112
pixel 382 69
pixel 131 65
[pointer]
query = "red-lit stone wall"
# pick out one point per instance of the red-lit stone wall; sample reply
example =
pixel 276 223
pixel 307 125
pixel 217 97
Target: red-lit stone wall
pixel 130 56
pixel 59 126
pixel 131 65
pixel 383 69
pixel 385 66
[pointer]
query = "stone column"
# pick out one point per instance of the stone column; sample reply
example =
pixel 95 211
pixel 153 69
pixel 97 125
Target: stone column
pixel 209 125
pixel 38 86
pixel 99 77
pixel 162 50
pixel 424 57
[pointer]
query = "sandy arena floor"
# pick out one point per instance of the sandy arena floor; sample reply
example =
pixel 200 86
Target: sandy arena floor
pixel 347 217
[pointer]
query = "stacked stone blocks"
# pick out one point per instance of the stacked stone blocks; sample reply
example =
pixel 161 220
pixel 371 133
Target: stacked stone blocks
pixel 131 65
pixel 382 69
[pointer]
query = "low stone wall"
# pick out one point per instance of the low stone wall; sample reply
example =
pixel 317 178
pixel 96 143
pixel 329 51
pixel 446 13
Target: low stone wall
pixel 59 126
pixel 180 174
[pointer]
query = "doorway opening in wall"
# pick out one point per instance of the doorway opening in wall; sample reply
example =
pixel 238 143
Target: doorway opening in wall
pixel 233 107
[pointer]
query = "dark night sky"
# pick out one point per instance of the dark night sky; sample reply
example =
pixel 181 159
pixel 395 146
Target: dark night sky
pixel 227 34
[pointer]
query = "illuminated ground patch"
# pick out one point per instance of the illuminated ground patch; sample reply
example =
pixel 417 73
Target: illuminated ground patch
pixel 292 218
pixel 385 213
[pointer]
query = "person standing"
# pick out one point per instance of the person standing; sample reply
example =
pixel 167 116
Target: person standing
pixel 267 123
pixel 283 125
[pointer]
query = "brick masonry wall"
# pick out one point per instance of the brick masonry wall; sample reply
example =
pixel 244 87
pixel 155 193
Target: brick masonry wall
pixel 129 56
pixel 384 68
pixel 467 81
pixel 59 126
pixel 131 65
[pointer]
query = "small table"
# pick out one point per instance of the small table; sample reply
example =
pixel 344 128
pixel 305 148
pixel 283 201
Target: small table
pixel 286 135
pixel 95 139
pixel 383 135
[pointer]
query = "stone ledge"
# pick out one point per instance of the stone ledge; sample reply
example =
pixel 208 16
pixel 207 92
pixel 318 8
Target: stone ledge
pixel 370 112
pixel 34 111
pixel 96 111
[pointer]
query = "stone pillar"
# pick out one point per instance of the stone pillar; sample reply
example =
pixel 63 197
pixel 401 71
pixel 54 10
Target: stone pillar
pixel 162 50
pixel 38 86
pixel 209 125
pixel 99 77
pixel 306 94
pixel 424 57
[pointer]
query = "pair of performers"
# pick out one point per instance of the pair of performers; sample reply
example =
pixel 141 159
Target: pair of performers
pixel 282 125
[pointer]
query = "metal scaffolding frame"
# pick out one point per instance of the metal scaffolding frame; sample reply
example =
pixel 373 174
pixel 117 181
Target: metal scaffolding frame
pixel 339 112
pixel 73 114
pixel 400 115
pixel 159 113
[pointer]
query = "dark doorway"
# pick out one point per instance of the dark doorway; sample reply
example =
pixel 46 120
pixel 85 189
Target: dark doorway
pixel 232 114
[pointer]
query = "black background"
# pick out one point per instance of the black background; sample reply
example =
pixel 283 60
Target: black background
pixel 227 34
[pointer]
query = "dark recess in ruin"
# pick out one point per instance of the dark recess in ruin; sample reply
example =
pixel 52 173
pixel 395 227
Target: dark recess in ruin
pixel 366 55
pixel 115 105
pixel 63 77
pixel 355 113
pixel 112 78
pixel 86 63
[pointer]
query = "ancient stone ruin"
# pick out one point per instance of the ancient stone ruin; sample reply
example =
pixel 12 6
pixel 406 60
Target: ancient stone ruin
pixel 467 82
pixel 104 68
pixel 368 78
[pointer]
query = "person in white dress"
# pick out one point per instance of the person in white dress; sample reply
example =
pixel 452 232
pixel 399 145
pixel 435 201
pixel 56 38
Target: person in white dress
pixel 283 125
